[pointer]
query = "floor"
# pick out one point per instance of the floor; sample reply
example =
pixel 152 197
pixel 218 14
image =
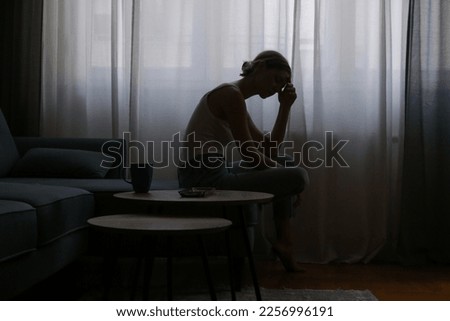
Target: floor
pixel 386 282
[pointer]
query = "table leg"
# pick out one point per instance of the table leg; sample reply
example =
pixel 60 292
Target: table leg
pixel 169 268
pixel 202 247
pixel 135 278
pixel 148 271
pixel 230 265
pixel 109 263
pixel 249 251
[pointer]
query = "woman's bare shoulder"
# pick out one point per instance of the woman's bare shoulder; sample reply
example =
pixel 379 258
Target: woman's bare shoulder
pixel 226 98
pixel 227 93
pixel 226 89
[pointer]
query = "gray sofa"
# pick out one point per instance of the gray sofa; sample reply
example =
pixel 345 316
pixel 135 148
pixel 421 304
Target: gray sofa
pixel 49 187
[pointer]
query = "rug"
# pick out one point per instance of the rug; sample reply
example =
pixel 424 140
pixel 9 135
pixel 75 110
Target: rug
pixel 248 294
pixel 304 295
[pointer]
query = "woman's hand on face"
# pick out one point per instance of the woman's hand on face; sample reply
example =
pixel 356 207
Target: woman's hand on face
pixel 287 96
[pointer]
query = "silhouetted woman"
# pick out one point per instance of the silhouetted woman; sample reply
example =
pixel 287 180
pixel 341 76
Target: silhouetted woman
pixel 221 118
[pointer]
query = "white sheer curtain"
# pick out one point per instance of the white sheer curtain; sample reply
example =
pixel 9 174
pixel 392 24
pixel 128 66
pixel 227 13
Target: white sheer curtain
pixel 86 68
pixel 349 63
pixel 141 66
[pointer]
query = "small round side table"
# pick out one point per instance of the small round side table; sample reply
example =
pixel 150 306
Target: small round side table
pixel 167 226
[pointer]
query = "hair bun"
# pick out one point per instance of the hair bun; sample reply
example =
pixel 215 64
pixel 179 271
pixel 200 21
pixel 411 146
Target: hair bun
pixel 247 68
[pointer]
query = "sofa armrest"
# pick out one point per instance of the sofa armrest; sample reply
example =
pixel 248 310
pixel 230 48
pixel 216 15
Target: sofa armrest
pixel 113 149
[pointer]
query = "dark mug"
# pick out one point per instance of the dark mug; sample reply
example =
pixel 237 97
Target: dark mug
pixel 141 177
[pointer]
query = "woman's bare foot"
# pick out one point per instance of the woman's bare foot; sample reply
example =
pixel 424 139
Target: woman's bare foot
pixel 285 255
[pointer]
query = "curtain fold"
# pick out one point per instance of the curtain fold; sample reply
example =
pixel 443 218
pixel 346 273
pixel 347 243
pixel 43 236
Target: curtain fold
pixel 20 56
pixel 425 220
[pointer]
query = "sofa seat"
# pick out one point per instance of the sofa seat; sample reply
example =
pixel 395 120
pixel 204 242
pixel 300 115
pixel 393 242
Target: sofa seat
pixel 59 210
pixel 16 218
pixel 102 190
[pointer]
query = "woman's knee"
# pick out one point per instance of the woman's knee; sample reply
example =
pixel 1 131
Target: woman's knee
pixel 298 178
pixel 303 174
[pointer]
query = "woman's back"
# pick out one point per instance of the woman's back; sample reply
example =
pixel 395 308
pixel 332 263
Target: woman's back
pixel 205 132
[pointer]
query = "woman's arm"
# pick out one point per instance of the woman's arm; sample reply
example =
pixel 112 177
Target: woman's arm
pixel 286 97
pixel 266 146
pixel 271 142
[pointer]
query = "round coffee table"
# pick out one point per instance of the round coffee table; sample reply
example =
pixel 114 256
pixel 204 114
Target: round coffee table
pixel 170 226
pixel 216 197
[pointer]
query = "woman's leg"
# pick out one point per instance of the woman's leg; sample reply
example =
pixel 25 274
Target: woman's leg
pixel 283 245
pixel 283 183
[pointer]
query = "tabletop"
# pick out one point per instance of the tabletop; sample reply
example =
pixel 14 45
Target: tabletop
pixel 217 197
pixel 150 224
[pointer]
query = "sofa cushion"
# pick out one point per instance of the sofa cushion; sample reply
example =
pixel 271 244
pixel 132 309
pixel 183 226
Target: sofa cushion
pixel 59 210
pixel 65 163
pixel 8 151
pixel 18 229
pixel 114 150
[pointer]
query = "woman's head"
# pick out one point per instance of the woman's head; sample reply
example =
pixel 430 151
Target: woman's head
pixel 269 72
pixel 270 59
